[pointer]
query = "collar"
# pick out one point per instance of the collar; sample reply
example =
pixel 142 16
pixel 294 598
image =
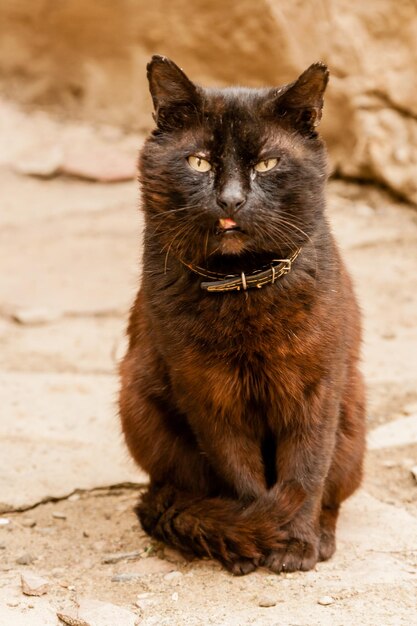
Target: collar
pixel 236 282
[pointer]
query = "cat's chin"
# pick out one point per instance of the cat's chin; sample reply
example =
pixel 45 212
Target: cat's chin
pixel 231 243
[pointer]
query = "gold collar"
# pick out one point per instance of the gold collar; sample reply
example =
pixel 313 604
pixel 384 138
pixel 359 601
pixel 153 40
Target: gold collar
pixel 236 282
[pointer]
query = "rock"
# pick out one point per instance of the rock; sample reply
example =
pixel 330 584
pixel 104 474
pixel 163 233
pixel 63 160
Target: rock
pixel 414 472
pixel 266 601
pixel 96 613
pixel 325 600
pixel 33 585
pixel 121 556
pixel 370 109
pixel 145 600
pixel 71 619
pixel 98 162
pixel 175 596
pixel 400 432
pixel 4 521
pixel 35 316
pixel 25 559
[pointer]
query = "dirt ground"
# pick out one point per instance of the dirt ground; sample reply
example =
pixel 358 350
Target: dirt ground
pixel 69 253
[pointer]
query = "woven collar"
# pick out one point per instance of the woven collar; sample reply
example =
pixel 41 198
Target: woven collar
pixel 236 282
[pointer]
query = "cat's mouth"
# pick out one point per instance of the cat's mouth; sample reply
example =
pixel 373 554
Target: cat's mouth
pixel 226 226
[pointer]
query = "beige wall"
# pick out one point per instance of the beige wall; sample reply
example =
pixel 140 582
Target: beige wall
pixel 88 57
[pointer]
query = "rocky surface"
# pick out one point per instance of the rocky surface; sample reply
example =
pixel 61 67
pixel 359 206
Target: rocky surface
pixel 68 252
pixel 370 118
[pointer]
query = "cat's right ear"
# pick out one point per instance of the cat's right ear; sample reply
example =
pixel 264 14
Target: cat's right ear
pixel 176 99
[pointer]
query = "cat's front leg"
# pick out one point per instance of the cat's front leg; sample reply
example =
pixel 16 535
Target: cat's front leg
pixel 234 454
pixel 304 455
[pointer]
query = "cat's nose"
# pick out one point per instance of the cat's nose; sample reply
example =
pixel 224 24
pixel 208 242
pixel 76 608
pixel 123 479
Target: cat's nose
pixel 231 198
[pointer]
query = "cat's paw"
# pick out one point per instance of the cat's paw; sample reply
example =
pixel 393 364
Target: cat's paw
pixel 327 545
pixel 296 555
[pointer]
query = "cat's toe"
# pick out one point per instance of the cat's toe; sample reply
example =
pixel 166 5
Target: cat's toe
pixel 241 567
pixel 295 556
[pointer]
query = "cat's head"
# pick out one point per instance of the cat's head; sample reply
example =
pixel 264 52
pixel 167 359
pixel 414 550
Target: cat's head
pixel 232 171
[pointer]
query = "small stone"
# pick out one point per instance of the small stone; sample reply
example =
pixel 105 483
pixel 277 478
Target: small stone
pixel 25 559
pixel 325 600
pixel 125 577
pixel 33 585
pixel 413 471
pixel 389 464
pixel 144 601
pixel 13 603
pixel 266 601
pixel 86 534
pixel 121 556
pixel 74 497
pixel 4 521
pixel 175 596
pixel 173 575
pixel 2 546
pixel 58 515
pixel 71 619
pixel 28 522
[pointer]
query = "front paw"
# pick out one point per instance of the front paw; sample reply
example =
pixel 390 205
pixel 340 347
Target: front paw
pixel 296 554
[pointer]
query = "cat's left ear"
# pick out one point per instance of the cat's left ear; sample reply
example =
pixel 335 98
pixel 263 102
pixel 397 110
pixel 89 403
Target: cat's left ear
pixel 301 102
pixel 175 98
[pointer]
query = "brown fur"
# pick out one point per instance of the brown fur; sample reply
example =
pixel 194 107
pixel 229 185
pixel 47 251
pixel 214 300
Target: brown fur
pixel 246 410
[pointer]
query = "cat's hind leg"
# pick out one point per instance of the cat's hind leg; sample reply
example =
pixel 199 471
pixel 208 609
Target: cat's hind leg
pixel 345 472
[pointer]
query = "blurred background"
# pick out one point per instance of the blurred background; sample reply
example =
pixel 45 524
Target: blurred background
pixel 86 60
pixel 74 111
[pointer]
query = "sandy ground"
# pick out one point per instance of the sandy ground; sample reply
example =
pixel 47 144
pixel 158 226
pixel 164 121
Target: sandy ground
pixel 68 257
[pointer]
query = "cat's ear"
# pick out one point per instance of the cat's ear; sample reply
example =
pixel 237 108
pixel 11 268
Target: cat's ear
pixel 175 98
pixel 301 102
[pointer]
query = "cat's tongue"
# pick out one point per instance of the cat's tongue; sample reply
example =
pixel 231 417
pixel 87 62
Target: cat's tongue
pixel 227 224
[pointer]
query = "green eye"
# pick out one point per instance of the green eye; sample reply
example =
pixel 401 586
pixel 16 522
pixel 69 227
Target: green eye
pixel 266 165
pixel 199 164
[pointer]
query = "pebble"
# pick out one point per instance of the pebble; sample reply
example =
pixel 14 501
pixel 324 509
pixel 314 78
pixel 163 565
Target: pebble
pixel 144 601
pixel 2 546
pixel 173 575
pixel 175 596
pixel 28 522
pixel 25 559
pixel 123 578
pixel 4 521
pixel 58 515
pixel 325 600
pixel 266 601
pixel 389 464
pixel 33 585
pixel 121 556
pixel 413 471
